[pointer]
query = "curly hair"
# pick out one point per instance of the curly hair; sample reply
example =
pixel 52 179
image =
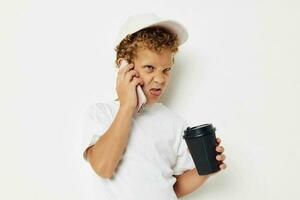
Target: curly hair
pixel 155 38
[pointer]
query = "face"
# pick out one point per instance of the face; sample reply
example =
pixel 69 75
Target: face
pixel 155 71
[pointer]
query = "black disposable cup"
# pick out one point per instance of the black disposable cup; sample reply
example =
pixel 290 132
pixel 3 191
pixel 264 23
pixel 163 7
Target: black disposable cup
pixel 201 141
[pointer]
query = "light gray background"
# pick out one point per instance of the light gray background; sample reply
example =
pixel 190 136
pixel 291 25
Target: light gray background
pixel 239 70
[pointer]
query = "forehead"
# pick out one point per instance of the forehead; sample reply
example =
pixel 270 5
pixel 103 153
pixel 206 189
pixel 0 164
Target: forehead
pixel 148 57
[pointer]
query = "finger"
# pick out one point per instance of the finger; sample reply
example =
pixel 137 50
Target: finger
pixel 223 166
pixel 220 157
pixel 125 68
pixel 129 67
pixel 137 81
pixel 123 71
pixel 218 140
pixel 129 75
pixel 223 157
pixel 220 149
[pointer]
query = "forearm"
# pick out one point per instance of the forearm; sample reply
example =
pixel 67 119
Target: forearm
pixel 108 150
pixel 188 182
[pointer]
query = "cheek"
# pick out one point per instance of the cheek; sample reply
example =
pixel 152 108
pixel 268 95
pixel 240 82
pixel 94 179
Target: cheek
pixel 148 78
pixel 145 78
pixel 168 78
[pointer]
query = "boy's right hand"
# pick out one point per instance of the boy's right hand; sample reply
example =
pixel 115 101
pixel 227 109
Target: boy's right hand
pixel 127 81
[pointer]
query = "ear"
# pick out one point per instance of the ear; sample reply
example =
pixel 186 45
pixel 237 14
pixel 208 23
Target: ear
pixel 119 61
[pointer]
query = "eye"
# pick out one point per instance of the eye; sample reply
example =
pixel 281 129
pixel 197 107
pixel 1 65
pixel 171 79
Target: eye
pixel 149 67
pixel 168 69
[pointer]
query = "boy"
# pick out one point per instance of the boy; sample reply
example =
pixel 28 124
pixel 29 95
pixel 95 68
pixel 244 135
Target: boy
pixel 140 156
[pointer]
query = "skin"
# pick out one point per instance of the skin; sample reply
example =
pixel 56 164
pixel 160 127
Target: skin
pixel 155 71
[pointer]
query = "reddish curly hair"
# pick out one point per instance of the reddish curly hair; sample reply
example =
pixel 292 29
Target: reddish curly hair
pixel 156 39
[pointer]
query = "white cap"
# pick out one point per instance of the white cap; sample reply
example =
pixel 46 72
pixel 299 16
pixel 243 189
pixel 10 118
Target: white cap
pixel 137 22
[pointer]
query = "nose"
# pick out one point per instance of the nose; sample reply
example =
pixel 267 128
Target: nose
pixel 159 79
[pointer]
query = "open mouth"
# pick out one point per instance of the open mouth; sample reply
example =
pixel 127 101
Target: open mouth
pixel 155 91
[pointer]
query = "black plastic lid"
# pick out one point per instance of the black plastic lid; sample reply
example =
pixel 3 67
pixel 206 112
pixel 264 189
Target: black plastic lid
pixel 198 131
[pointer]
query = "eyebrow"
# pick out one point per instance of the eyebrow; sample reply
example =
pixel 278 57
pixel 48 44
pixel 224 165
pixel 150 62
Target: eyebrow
pixel 161 67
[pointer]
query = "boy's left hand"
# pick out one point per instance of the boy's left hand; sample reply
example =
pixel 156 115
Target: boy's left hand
pixel 220 157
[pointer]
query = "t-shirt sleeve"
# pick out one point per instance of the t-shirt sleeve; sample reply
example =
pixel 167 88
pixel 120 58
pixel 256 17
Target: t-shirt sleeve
pixel 184 159
pixel 95 122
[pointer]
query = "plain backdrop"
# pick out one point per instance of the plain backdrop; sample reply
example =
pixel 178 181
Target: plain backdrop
pixel 239 71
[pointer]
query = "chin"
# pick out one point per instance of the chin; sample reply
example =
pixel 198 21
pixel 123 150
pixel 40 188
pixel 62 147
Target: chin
pixel 151 101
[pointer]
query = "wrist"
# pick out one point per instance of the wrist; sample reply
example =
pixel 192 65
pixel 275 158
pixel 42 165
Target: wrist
pixel 127 110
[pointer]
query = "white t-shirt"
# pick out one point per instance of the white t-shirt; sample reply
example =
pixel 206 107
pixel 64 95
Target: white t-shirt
pixel 155 152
